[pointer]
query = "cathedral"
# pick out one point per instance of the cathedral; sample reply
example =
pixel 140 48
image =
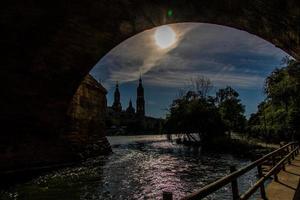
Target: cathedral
pixel 131 121
pixel 140 101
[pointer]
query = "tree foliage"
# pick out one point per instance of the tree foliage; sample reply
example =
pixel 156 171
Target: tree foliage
pixel 231 109
pixel 197 112
pixel 278 116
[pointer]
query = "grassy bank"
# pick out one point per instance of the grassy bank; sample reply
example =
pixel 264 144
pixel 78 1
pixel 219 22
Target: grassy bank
pixel 236 145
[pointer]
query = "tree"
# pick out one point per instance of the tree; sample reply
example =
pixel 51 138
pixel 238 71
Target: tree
pixel 278 116
pixel 195 112
pixel 201 85
pixel 225 94
pixel 231 109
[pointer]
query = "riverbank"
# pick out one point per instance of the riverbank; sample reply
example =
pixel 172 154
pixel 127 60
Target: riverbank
pixel 236 145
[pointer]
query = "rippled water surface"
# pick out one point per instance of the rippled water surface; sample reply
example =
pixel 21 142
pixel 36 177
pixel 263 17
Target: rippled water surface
pixel 140 168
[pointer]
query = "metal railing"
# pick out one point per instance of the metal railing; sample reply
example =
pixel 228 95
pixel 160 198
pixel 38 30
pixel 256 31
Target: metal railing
pixel 278 159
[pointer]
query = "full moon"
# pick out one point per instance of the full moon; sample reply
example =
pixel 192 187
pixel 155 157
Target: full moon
pixel 164 36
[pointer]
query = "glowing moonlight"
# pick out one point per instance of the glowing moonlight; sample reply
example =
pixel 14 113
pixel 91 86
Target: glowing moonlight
pixel 164 36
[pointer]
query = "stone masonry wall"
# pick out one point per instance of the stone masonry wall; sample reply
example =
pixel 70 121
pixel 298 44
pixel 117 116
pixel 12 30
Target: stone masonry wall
pixel 86 114
pixel 84 137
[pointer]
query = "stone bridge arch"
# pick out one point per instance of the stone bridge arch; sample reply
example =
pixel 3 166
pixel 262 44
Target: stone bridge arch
pixel 50 45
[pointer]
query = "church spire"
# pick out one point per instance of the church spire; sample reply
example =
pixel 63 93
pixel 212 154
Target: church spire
pixel 140 100
pixel 117 99
pixel 140 79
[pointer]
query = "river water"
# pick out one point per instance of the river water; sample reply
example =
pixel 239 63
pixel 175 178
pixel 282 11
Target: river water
pixel 141 167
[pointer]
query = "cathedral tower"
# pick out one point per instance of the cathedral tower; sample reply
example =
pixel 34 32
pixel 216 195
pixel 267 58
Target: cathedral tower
pixel 140 101
pixel 117 107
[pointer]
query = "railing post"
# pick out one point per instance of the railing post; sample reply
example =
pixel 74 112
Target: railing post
pixel 262 187
pixel 293 154
pixel 282 153
pixel 285 152
pixel 234 185
pixel 167 196
pixel 275 173
pixel 289 150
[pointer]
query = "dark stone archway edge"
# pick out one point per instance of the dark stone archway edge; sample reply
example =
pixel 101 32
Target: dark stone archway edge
pixel 50 45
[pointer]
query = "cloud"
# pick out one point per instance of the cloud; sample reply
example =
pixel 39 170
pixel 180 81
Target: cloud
pixel 182 79
pixel 225 55
pixel 135 56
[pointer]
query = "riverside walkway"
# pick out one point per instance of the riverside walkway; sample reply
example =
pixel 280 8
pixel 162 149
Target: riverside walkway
pixel 287 185
pixel 281 166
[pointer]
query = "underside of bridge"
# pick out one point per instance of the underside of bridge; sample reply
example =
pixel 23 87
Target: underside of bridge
pixel 49 46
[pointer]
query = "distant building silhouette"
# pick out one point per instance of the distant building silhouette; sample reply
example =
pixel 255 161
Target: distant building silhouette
pixel 127 121
pixel 117 107
pixel 130 109
pixel 140 100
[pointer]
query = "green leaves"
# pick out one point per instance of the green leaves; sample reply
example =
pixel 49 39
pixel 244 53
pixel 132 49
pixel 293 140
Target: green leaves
pixel 231 109
pixel 206 115
pixel 278 116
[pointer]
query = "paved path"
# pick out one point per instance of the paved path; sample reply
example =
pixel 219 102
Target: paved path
pixel 287 187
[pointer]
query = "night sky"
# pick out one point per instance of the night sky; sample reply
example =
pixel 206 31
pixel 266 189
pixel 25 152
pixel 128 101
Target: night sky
pixel 225 55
